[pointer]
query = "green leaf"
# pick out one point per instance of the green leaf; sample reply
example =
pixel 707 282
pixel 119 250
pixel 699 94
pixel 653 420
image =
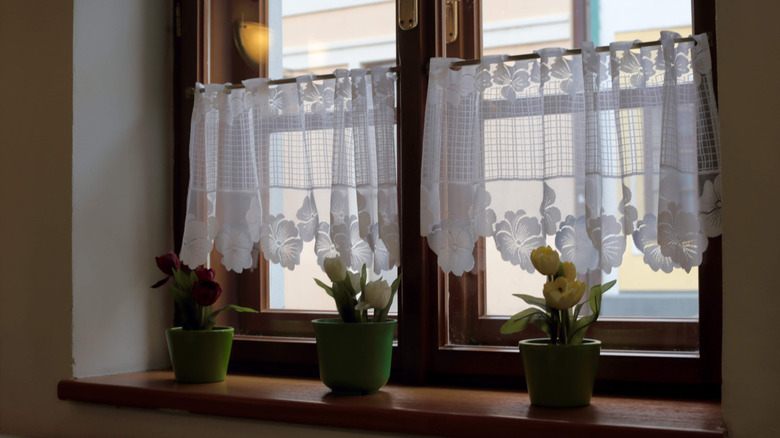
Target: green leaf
pixel 179 295
pixel 542 322
pixel 607 286
pixel 396 283
pixel 363 278
pixel 519 321
pixel 534 301
pixel 183 280
pixel 580 327
pixel 324 286
pixel 577 309
pixel 345 303
pixel 382 314
pixel 598 290
pixel 212 316
pixel 190 315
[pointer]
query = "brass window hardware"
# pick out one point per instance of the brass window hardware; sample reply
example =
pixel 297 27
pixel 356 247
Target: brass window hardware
pixel 451 20
pixel 407 14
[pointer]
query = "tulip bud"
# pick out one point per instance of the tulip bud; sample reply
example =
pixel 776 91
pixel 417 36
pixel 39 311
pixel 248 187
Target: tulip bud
pixel 205 274
pixel 167 263
pixel 569 271
pixel 376 295
pixel 562 294
pixel 206 293
pixel 335 269
pixel 545 260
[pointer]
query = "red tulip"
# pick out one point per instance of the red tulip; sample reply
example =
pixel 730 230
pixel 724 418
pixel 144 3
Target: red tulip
pixel 205 274
pixel 206 293
pixel 167 263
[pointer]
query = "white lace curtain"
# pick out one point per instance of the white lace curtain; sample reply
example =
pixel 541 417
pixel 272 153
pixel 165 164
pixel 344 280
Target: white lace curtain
pixel 579 151
pixel 283 167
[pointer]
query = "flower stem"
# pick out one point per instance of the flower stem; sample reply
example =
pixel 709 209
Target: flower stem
pixel 564 326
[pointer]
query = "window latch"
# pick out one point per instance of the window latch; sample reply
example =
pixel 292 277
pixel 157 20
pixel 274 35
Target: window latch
pixel 407 14
pixel 451 20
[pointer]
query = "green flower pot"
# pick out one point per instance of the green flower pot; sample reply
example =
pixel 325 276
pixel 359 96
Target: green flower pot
pixel 354 358
pixel 199 356
pixel 560 375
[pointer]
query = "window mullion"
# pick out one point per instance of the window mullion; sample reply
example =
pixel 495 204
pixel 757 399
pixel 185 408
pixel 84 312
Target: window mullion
pixel 417 333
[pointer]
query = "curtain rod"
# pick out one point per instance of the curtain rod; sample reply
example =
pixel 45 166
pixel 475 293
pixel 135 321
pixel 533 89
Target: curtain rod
pixel 292 80
pixel 471 62
pixel 568 52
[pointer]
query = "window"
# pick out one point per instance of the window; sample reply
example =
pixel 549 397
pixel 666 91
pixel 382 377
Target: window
pixel 429 350
pixel 670 298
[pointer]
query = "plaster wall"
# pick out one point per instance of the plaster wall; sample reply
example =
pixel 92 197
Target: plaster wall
pixel 750 137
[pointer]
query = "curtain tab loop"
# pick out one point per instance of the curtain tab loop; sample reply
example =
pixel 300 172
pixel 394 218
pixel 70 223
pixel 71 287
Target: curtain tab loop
pixel 254 83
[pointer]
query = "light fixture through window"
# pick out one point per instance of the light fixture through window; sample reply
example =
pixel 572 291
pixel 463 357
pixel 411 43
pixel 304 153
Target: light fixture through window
pixel 251 40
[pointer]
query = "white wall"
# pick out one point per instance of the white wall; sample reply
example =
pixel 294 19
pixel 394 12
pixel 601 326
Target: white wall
pixel 748 68
pixel 122 159
pixel 35 210
pixel 76 253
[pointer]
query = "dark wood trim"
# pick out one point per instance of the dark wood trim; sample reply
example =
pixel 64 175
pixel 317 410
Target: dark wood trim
pixel 226 64
pixel 711 269
pixel 458 309
pixel 187 69
pixel 711 311
pixel 629 334
pixel 704 21
pixel 417 300
pixel 439 411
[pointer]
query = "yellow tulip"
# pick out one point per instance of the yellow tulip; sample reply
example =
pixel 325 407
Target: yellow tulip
pixel 562 294
pixel 569 271
pixel 545 260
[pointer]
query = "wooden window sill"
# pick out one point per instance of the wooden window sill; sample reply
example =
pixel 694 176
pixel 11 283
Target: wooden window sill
pixel 425 410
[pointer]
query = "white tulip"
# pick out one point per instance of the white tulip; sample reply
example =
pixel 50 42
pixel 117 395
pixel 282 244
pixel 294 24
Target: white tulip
pixel 376 295
pixel 335 269
pixel 354 279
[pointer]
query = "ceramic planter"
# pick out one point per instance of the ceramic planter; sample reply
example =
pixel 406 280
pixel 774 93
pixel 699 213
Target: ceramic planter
pixel 354 358
pixel 199 356
pixel 560 375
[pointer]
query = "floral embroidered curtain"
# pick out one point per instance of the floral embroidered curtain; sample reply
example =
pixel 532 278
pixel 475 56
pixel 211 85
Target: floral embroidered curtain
pixel 283 167
pixel 580 151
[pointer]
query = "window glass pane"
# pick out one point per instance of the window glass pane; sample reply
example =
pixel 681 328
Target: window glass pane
pixel 522 26
pixel 627 20
pixel 316 37
pixel 516 27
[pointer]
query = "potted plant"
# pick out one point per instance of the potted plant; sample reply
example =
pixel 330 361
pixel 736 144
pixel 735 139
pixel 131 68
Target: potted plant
pixel 560 370
pixel 354 350
pixel 199 350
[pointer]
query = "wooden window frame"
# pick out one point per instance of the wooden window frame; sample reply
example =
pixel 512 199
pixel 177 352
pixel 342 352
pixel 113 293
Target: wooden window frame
pixel 696 368
pixel 422 356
